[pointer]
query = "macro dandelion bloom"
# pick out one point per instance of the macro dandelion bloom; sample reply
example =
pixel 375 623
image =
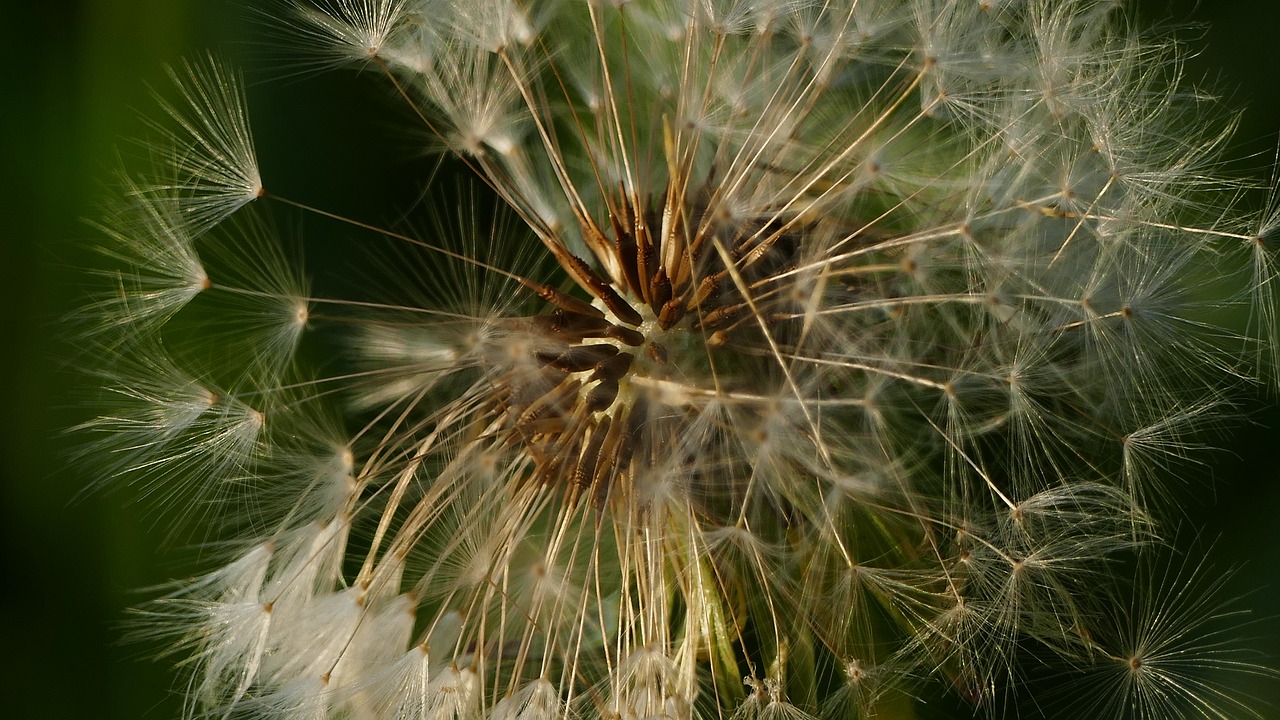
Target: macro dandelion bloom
pixel 821 353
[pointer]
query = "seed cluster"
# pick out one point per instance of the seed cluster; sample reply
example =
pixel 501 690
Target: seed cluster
pixel 682 282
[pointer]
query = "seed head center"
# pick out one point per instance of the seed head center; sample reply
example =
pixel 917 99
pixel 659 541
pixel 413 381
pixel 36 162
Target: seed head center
pixel 606 382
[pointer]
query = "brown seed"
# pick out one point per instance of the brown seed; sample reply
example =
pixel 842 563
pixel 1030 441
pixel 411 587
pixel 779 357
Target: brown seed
pixel 657 352
pixel 620 308
pixel 659 290
pixel 571 326
pixel 671 313
pixel 645 260
pixel 721 316
pixel 584 473
pixel 707 288
pixel 626 335
pixel 601 289
pixel 602 395
pixel 613 368
pixel 607 467
pixel 624 244
pixel 633 435
pixel 581 357
pixel 562 300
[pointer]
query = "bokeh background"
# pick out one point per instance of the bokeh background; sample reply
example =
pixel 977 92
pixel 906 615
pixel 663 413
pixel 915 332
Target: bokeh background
pixel 73 91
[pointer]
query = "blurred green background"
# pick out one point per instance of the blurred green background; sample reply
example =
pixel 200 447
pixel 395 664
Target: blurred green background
pixel 74 90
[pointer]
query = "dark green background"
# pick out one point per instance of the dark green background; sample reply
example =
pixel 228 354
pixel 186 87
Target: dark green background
pixel 74 86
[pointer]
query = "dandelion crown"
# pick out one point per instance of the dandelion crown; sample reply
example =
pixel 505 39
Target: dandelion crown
pixel 834 352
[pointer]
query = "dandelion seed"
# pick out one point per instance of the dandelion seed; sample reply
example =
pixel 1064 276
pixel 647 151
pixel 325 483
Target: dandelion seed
pixel 207 159
pixel 837 346
pixel 165 273
pixel 350 30
pixel 1165 652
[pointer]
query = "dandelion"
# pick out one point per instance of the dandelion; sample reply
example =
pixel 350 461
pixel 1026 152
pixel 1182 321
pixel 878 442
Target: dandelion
pixel 822 353
pixel 1163 648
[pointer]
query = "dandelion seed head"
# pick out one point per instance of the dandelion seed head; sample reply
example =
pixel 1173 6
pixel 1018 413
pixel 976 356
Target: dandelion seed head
pixel 838 346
